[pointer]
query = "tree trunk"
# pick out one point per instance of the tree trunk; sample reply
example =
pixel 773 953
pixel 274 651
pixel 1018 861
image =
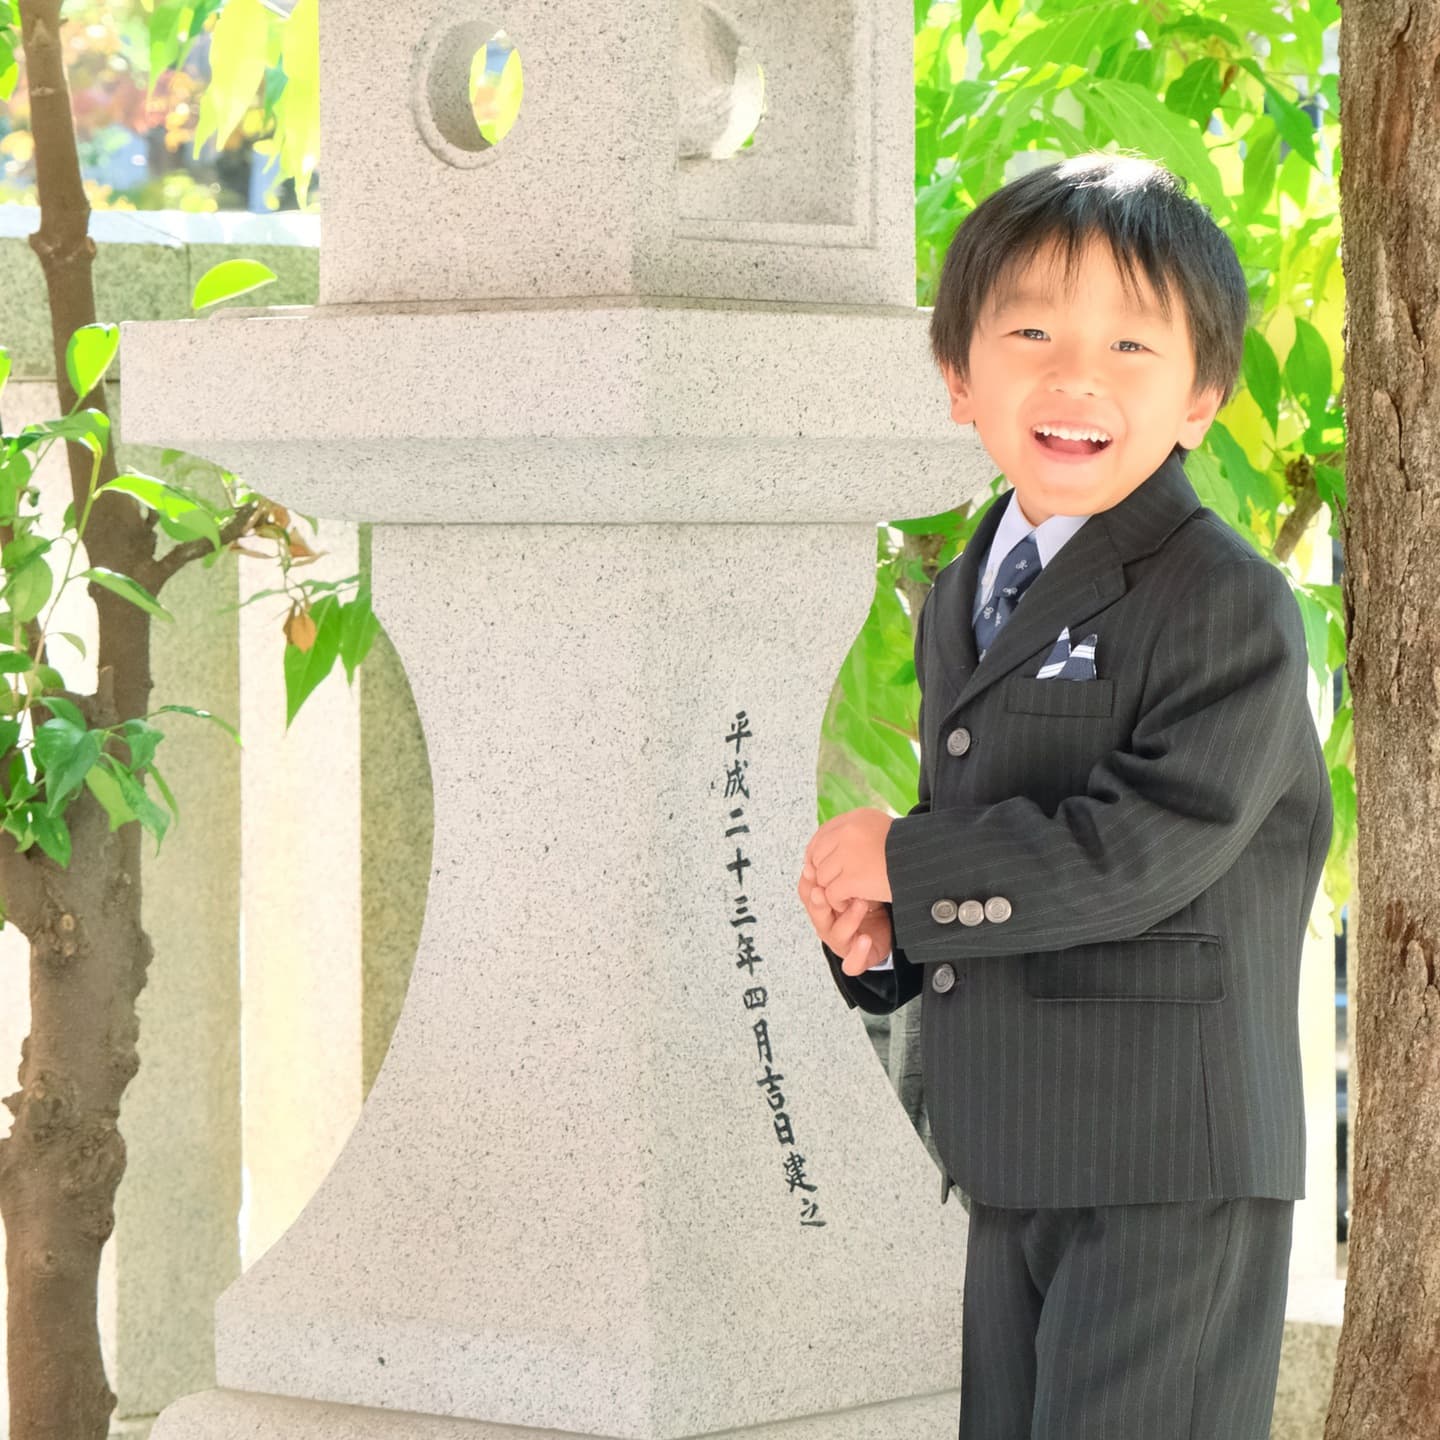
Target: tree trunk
pixel 61 1165
pixel 1387 1378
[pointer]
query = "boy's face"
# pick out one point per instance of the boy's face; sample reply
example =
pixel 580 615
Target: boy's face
pixel 1087 359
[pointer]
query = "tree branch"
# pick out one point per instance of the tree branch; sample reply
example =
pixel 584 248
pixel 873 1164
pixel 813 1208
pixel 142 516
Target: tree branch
pixel 160 569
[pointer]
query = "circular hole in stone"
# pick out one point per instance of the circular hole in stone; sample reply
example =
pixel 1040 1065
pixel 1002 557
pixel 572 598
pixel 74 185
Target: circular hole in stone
pixel 471 86
pixel 720 85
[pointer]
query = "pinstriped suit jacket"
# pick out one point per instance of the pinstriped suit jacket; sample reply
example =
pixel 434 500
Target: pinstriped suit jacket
pixel 1129 1032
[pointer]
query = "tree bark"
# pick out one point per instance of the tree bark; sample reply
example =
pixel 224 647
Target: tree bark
pixel 61 1164
pixel 1387 1377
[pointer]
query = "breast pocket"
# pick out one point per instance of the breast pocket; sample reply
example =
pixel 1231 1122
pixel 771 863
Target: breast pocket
pixel 1178 966
pixel 1028 696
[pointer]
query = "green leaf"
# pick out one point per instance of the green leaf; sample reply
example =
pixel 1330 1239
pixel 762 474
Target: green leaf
pixel 358 629
pixel 1307 371
pixel 29 588
pixel 1295 126
pixel 16 470
pixel 17 550
pixel 15 662
pixel 962 101
pixel 305 669
pixel 106 789
pixel 88 427
pixel 1295 177
pixel 228 279
pixel 142 738
pixel 1248 484
pixel 1338 742
pixel 66 709
pixel 938 524
pixel 165 791
pixel 1075 39
pixel 52 834
pixel 147 812
pixel 64 752
pixel 195 524
pixel 1262 160
pixel 1317 630
pixel 205 715
pixel 1261 371
pixel 970 11
pixel 1072 141
pixel 1138 121
pixel 235 60
pixel 128 589
pixel 1202 467
pixel 88 354
pixel 1330 484
pixel 171 502
pixel 1195 93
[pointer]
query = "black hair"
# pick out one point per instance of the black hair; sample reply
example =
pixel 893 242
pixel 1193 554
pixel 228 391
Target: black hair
pixel 1140 208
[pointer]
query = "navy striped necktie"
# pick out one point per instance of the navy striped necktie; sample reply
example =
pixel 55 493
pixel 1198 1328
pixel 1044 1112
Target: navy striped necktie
pixel 1017 571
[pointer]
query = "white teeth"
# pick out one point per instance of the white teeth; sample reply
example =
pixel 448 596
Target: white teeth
pixel 1067 432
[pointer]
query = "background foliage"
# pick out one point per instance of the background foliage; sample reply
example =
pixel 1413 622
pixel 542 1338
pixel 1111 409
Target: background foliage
pixel 1237 99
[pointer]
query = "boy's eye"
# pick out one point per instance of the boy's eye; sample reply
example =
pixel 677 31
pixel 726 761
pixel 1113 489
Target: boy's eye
pixel 1034 330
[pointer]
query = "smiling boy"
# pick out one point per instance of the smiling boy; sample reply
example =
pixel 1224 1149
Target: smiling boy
pixel 1124 809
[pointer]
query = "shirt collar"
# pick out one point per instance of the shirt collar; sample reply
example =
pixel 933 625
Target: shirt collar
pixel 1050 535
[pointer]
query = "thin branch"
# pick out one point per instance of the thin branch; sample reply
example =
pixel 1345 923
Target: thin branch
pixel 158 571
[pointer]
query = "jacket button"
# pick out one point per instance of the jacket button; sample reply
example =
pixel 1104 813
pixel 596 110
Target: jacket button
pixel 944 977
pixel 997 908
pixel 971 912
pixel 957 742
pixel 942 912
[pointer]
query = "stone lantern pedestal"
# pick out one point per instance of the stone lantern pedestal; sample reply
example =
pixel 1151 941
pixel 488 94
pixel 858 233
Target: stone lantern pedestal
pixel 627 414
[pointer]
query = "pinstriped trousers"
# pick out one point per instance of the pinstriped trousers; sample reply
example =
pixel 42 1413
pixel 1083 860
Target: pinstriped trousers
pixel 1157 1321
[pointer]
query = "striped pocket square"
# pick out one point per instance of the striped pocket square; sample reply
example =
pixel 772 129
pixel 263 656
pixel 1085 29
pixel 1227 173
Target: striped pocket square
pixel 1070 663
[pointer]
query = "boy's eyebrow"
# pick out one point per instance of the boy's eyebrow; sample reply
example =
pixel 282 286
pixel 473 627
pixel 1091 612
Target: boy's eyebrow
pixel 1031 297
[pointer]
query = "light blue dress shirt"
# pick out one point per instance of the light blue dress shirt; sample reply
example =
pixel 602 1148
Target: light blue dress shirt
pixel 1050 535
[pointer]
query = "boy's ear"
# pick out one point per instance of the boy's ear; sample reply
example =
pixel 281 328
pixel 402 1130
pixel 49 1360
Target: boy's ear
pixel 962 399
pixel 1203 409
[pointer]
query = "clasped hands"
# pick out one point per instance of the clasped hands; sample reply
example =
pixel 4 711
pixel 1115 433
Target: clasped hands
pixel 843 884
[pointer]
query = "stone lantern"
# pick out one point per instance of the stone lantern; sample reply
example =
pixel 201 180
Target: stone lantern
pixel 625 394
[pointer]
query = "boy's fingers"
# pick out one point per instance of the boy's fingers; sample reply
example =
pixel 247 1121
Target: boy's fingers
pixel 859 958
pixel 847 922
pixel 821 915
pixel 835 927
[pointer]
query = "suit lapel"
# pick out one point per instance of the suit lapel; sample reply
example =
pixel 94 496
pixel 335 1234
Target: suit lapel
pixel 953 603
pixel 1086 575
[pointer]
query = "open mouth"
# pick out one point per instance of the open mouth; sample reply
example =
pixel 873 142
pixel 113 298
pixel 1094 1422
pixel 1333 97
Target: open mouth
pixel 1062 448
